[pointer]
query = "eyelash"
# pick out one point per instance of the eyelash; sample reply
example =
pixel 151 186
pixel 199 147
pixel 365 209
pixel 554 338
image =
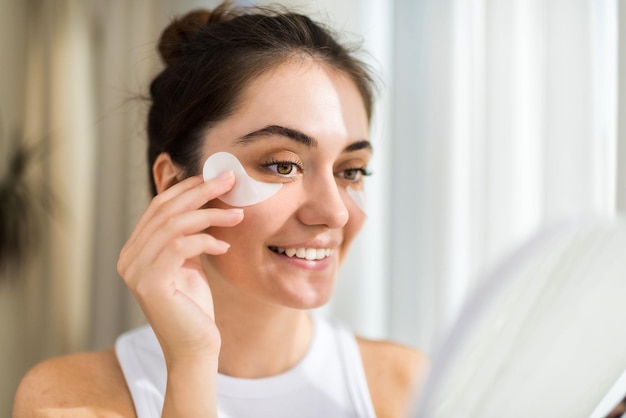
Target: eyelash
pixel 364 172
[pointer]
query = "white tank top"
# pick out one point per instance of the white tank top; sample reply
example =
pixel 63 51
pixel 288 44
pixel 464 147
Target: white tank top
pixel 328 382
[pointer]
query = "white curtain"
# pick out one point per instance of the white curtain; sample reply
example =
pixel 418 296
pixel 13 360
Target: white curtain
pixel 504 122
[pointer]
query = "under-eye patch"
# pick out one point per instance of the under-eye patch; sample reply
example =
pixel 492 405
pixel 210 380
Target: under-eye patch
pixel 358 196
pixel 246 191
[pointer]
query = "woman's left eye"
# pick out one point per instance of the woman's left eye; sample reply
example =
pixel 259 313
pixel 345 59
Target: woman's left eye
pixel 354 174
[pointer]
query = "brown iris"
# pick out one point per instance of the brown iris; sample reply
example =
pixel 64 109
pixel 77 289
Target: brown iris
pixel 284 168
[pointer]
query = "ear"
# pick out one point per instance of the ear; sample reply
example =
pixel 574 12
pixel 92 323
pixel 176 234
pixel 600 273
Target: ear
pixel 165 172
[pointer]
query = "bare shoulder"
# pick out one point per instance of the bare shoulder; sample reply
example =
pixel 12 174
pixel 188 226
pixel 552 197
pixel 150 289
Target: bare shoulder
pixel 394 374
pixel 76 385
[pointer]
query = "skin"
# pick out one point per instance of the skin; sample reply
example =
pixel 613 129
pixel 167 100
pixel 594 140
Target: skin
pixel 619 410
pixel 207 276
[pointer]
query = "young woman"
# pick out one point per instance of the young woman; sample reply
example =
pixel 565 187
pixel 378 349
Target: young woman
pixel 227 290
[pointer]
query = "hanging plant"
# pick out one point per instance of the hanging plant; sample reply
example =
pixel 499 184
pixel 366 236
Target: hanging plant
pixel 21 212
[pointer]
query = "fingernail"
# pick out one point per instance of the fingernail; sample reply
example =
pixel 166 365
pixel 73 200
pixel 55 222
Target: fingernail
pixel 225 175
pixel 235 210
pixel 223 244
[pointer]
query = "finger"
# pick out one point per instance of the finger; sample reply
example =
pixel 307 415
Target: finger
pixel 190 199
pixel 188 223
pixel 168 262
pixel 170 193
pixel 199 220
pixel 179 188
pixel 177 198
pixel 185 248
pixel 161 198
pixel 191 196
pixel 200 194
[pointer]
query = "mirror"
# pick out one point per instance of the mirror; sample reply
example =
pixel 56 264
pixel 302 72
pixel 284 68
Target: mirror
pixel 543 335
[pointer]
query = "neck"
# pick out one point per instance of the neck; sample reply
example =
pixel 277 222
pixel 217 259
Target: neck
pixel 259 339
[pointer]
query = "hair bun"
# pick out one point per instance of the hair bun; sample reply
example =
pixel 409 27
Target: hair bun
pixel 182 29
pixel 179 32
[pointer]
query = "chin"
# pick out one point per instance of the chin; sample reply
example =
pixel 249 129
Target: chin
pixel 310 299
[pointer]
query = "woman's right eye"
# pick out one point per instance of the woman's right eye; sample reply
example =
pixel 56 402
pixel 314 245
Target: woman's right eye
pixel 283 168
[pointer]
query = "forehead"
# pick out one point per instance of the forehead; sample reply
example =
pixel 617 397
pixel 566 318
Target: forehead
pixel 305 95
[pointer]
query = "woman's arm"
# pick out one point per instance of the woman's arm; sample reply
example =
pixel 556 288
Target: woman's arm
pixel 77 385
pixel 161 265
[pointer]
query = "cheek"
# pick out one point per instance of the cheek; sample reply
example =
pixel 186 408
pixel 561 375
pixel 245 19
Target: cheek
pixel 353 227
pixel 354 200
pixel 358 197
pixel 247 246
pixel 259 222
pixel 356 222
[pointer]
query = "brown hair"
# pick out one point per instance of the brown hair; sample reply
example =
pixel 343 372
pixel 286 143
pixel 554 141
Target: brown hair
pixel 211 56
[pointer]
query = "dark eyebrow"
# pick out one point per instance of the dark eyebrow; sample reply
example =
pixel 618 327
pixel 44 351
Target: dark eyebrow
pixel 290 133
pixel 359 145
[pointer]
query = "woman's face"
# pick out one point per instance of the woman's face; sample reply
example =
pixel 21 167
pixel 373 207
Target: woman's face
pixel 303 125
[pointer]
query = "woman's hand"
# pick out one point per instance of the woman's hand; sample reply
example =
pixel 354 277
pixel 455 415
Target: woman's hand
pixel 160 263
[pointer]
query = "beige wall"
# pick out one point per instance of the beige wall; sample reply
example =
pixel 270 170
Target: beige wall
pixel 15 351
pixel 50 89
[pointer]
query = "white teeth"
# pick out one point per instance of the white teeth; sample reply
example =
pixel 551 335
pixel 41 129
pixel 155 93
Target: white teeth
pixel 310 253
pixel 305 253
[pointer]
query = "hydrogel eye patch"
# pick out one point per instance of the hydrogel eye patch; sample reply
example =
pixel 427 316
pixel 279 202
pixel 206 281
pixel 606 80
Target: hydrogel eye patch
pixel 358 196
pixel 246 191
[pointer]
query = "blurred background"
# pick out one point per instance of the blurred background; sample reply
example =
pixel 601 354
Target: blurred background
pixel 495 119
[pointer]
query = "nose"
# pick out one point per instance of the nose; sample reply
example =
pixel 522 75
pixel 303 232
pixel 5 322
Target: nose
pixel 323 204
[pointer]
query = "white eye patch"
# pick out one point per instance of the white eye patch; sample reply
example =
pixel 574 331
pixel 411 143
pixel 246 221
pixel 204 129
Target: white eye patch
pixel 358 196
pixel 246 191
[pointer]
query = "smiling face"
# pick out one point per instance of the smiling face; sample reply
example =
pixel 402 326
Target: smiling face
pixel 304 125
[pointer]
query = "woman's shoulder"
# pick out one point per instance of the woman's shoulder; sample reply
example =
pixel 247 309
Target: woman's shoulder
pixel 394 373
pixel 82 384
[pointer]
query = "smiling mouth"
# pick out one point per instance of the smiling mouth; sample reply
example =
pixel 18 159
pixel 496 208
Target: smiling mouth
pixel 310 254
